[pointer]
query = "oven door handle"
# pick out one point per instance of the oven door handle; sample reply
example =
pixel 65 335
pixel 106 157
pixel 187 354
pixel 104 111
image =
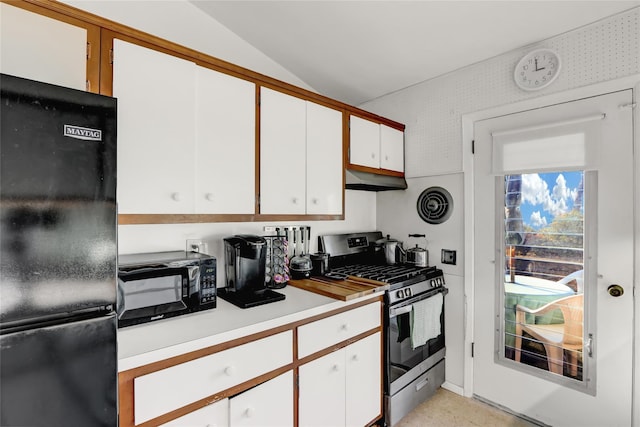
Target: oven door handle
pixel 393 312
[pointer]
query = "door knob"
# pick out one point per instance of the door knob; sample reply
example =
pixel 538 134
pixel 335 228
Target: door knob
pixel 615 290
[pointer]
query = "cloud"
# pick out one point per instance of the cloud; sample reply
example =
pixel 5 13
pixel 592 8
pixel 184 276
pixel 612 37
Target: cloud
pixel 537 220
pixel 535 191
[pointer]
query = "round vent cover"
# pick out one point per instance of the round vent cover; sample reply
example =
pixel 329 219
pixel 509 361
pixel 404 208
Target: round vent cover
pixel 435 205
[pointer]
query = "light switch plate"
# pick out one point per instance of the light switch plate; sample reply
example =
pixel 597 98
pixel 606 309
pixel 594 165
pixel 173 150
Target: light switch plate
pixel 196 245
pixel 448 256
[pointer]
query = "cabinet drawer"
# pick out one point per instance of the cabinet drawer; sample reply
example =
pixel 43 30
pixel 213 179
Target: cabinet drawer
pixel 269 404
pixel 324 333
pixel 171 388
pixel 214 415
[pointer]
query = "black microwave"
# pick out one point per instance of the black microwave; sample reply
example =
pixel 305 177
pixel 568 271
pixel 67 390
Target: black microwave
pixel 159 285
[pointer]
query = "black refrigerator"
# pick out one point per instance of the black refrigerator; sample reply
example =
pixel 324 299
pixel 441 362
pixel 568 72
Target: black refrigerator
pixel 58 361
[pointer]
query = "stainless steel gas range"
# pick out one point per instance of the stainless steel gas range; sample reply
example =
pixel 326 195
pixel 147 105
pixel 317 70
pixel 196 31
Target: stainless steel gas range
pixel 414 318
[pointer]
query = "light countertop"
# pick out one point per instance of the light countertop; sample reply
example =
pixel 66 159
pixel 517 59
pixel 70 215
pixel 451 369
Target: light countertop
pixel 151 342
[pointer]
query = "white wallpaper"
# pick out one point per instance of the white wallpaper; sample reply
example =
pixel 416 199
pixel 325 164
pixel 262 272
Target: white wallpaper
pixel 432 111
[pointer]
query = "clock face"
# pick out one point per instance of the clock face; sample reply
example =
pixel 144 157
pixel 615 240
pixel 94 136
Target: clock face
pixel 537 69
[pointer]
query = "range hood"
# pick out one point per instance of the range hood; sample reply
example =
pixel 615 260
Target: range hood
pixel 358 180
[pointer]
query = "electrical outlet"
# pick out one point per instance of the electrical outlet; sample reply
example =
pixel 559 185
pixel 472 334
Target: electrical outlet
pixel 196 245
pixel 448 256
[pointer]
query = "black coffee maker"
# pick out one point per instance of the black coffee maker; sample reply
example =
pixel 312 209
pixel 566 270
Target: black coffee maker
pixel 245 264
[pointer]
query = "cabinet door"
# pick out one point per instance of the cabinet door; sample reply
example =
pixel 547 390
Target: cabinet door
pixel 225 144
pixel 156 130
pixel 364 144
pixel 40 48
pixel 391 149
pixel 321 400
pixel 363 381
pixel 214 415
pixel 282 153
pixel 324 160
pixel 269 404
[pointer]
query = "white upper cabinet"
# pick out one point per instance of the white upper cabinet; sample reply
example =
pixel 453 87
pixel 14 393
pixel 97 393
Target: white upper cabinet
pixel 40 48
pixel 283 131
pixel 324 160
pixel 375 145
pixel 364 146
pixel 300 156
pixel 225 144
pixel 186 136
pixel 391 149
pixel 156 130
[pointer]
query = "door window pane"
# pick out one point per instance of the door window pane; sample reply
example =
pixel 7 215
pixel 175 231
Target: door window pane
pixel 543 271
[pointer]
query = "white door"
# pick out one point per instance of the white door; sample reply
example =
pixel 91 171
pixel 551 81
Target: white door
pixel 269 404
pixel 283 133
pixel 225 144
pixel 324 160
pixel 213 415
pixel 364 142
pixel 391 149
pixel 156 130
pixel 36 47
pixel 321 400
pixel 363 369
pixel 534 223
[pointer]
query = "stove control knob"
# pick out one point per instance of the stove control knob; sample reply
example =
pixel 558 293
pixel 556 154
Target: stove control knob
pixel 400 294
pixel 407 292
pixel 433 284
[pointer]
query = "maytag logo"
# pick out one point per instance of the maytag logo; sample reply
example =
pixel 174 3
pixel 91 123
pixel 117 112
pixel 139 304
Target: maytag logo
pixel 82 133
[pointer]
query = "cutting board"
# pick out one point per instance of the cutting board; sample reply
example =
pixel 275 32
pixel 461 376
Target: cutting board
pixel 345 290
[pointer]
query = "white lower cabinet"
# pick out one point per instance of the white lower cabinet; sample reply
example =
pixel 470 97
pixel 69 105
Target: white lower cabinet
pixel 168 389
pixel 321 399
pixel 363 382
pixel 214 415
pixel 342 388
pixel 269 404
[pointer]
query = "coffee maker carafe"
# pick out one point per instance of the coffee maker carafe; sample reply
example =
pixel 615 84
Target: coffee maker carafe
pixel 245 262
pixel 245 269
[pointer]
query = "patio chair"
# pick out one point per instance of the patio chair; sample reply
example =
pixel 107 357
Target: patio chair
pixel 578 276
pixel 555 337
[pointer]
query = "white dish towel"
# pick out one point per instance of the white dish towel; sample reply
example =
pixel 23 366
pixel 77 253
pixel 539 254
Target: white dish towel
pixel 425 320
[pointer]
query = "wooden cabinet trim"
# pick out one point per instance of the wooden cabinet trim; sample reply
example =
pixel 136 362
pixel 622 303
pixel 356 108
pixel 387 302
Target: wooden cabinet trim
pixel 70 14
pixel 361 168
pixel 129 219
pixel 126 378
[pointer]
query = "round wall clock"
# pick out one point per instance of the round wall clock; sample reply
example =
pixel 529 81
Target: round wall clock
pixel 537 69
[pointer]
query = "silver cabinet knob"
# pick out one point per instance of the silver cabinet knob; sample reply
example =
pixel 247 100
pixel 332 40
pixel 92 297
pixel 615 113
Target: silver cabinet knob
pixel 209 197
pixel 176 197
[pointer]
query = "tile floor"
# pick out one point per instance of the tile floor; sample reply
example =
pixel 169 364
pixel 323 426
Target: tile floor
pixel 446 409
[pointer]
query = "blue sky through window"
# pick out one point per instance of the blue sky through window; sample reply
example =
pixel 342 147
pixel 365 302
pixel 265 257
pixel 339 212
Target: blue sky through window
pixel 546 195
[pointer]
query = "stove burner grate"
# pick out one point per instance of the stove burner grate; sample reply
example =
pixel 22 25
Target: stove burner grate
pixel 384 273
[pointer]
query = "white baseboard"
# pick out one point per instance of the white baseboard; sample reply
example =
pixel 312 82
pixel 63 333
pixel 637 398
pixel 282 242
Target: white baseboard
pixel 454 388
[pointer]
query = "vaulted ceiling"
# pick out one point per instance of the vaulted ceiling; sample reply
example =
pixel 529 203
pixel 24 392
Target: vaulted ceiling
pixel 355 51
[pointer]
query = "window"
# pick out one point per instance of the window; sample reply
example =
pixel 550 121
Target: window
pixel 543 270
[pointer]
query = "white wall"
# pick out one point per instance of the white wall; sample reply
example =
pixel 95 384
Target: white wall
pixel 432 112
pixel 360 215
